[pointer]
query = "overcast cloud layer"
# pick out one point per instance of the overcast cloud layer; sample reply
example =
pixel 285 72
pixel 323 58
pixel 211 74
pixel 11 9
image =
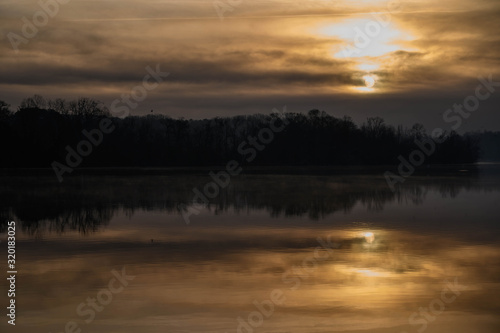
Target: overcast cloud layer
pixel 263 54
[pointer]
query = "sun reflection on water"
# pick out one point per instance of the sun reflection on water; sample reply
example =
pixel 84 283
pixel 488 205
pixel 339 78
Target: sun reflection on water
pixel 369 237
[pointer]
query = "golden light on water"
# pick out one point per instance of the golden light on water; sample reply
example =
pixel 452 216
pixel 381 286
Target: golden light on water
pixel 369 237
pixel 368 272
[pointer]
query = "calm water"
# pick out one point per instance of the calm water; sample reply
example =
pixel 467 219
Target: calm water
pixel 273 253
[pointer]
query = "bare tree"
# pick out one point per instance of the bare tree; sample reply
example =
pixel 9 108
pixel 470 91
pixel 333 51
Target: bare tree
pixel 374 126
pixel 417 131
pixel 59 105
pixel 88 107
pixel 4 110
pixel 35 102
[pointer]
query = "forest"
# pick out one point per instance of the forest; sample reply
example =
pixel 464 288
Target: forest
pixel 42 131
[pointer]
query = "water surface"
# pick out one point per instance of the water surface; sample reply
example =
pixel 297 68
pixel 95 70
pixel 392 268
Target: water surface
pixel 344 252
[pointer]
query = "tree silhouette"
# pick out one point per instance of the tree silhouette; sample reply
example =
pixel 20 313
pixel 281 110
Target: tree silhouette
pixel 34 102
pixel 35 136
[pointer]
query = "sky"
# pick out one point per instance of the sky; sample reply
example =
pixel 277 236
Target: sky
pixel 405 61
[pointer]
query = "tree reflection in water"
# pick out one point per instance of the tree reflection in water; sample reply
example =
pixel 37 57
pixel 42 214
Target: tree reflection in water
pixel 85 203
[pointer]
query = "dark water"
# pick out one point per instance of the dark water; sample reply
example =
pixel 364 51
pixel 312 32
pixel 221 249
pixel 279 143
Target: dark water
pixel 270 253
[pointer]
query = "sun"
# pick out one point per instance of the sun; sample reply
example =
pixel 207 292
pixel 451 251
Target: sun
pixel 370 81
pixel 366 46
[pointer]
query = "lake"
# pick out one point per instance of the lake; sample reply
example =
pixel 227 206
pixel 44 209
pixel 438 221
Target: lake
pixel 331 252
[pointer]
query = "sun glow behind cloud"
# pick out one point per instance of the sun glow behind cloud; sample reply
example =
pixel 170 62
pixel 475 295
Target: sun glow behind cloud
pixel 368 42
pixel 261 53
pixel 366 37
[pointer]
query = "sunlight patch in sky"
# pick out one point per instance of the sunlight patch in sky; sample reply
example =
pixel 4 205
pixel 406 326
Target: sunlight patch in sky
pixel 367 42
pixel 366 37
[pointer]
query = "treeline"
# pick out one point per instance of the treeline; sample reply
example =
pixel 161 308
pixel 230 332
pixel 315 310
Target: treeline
pixel 41 131
pixel 489 143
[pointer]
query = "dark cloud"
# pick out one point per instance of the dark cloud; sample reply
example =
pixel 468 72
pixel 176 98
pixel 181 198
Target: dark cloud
pixel 251 63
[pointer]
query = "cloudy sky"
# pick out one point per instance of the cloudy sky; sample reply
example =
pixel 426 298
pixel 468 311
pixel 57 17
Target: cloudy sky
pixel 409 63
